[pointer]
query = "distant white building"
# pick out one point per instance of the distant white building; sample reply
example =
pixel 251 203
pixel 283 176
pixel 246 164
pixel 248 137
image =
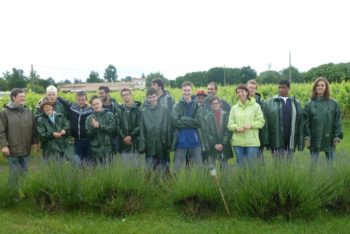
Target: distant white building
pixel 135 83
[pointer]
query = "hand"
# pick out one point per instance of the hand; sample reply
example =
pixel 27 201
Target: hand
pixel 307 143
pixel 56 134
pixel 63 132
pixel 247 126
pixel 6 151
pixel 36 147
pixel 335 143
pixel 240 129
pixel 219 147
pixel 94 123
pixel 127 140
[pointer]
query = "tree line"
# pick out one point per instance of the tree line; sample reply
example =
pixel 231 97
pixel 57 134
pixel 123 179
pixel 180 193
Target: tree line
pixel 222 75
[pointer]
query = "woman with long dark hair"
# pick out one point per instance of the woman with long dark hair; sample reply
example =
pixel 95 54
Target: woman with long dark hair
pixel 322 129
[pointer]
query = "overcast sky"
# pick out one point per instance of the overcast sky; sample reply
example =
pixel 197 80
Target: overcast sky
pixel 67 39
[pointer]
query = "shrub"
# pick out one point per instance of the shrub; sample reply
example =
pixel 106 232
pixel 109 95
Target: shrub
pixel 287 189
pixel 54 185
pixel 194 192
pixel 119 189
pixel 8 195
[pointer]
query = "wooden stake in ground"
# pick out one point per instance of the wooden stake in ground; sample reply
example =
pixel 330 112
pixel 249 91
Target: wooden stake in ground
pixel 214 174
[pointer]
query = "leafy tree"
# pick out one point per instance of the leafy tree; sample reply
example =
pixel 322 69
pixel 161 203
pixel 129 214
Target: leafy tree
pixel 50 81
pixel 333 72
pixel 127 79
pixel 247 73
pixel 94 77
pixel 297 77
pixel 272 77
pixel 16 79
pixel 3 85
pixel 77 81
pixel 110 73
pixel 155 75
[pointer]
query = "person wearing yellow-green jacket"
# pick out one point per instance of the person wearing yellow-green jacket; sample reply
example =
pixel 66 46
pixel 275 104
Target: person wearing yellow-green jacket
pixel 245 120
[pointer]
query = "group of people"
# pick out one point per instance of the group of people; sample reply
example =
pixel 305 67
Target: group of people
pixel 200 128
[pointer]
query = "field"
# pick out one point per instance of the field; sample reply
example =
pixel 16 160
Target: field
pixel 340 92
pixel 282 198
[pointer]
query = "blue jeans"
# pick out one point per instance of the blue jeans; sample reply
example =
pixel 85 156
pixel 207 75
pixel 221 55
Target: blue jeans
pixel 187 157
pixel 246 155
pixel 18 167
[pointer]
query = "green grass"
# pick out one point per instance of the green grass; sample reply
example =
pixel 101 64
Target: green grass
pixel 25 220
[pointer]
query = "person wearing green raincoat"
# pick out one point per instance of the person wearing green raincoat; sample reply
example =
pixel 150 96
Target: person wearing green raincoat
pixel 128 123
pixel 52 96
pixel 217 136
pixel 100 128
pixel 322 129
pixel 284 120
pixel 156 129
pixel 54 129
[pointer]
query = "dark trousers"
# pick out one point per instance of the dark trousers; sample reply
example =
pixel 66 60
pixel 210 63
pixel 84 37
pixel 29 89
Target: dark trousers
pixel 82 149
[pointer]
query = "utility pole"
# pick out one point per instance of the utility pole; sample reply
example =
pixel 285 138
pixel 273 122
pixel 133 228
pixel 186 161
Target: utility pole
pixel 290 67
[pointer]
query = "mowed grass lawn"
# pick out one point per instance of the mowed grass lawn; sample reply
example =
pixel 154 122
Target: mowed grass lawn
pixel 26 218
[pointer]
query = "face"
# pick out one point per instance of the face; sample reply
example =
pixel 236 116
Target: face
pixel 320 88
pixel 126 96
pixel 283 90
pixel 200 99
pixel 155 86
pixel 216 105
pixel 20 99
pixel 81 100
pixel 97 105
pixel 211 90
pixel 242 94
pixel 52 96
pixel 48 109
pixel 187 92
pixel 252 89
pixel 152 99
pixel 102 94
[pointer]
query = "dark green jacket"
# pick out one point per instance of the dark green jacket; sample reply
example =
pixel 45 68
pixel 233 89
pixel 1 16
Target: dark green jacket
pixel 273 137
pixel 212 135
pixel 101 138
pixel 263 129
pixel 167 100
pixel 128 124
pixel 59 107
pixel 156 129
pixel 322 123
pixel 110 105
pixel 181 121
pixel 49 144
pixel 17 129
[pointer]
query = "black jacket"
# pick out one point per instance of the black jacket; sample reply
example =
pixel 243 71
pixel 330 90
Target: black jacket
pixel 77 117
